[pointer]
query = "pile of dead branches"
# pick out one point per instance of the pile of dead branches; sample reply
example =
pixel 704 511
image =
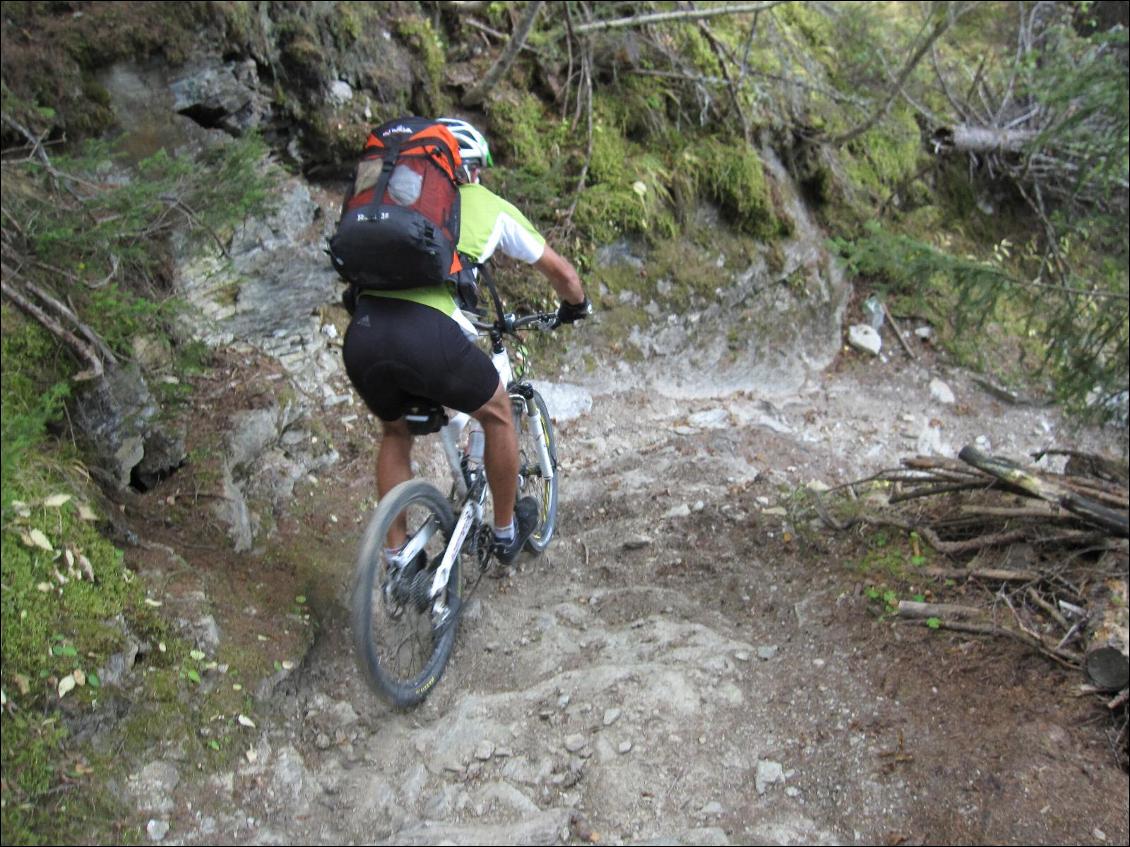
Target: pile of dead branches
pixel 1049 550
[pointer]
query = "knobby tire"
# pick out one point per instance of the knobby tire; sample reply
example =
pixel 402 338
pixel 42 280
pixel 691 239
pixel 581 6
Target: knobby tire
pixel 399 654
pixel 531 481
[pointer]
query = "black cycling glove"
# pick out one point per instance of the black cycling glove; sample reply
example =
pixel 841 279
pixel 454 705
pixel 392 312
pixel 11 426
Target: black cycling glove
pixel 569 313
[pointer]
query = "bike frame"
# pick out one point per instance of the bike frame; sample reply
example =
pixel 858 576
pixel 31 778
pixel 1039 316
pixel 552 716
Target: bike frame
pixel 470 484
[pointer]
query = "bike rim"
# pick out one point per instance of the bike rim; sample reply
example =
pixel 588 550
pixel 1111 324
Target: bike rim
pixel 403 652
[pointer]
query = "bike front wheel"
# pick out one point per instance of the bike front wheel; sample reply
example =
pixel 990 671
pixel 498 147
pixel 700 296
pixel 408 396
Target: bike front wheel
pixel 532 481
pixel 401 644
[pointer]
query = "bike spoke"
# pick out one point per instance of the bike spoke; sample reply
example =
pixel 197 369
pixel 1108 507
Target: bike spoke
pixel 400 653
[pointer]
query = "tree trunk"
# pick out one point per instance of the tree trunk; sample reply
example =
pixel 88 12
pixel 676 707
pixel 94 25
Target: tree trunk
pixel 1108 650
pixel 983 139
pixel 1112 520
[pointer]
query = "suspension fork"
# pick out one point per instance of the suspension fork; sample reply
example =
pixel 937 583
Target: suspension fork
pixel 533 415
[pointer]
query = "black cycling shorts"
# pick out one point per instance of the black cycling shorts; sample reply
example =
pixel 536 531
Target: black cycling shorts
pixel 396 350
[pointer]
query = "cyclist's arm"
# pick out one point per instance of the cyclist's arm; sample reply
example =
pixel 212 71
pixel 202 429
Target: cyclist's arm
pixel 561 275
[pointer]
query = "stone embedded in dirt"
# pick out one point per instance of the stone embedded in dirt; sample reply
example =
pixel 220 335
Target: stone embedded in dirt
pixel 637 542
pixel 611 716
pixel 862 337
pixel 680 511
pixel 564 401
pixel 574 743
pixel 484 751
pixel 710 419
pixel 768 773
pixel 930 442
pixel 942 392
pixel 154 786
pixel 156 830
pixel 767 652
pixel 625 747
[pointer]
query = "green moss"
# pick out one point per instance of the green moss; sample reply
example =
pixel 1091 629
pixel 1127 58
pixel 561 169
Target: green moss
pixel 645 109
pixel 884 157
pixel 51 628
pixel 347 25
pixel 54 630
pixel 300 51
pixel 50 793
pixel 33 388
pixel 522 134
pixel 419 34
pixel 731 173
pixel 810 27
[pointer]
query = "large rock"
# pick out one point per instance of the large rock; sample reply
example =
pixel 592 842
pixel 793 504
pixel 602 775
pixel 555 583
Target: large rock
pixel 122 424
pixel 219 95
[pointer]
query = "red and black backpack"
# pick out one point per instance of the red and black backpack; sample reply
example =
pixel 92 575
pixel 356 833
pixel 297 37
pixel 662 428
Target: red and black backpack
pixel 399 223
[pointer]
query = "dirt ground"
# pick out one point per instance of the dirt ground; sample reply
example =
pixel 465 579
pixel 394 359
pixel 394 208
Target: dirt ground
pixel 686 664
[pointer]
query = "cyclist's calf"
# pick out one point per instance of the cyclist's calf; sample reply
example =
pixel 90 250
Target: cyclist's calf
pixel 501 454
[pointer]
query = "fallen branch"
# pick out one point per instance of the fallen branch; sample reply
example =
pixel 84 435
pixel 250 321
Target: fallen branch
pixel 83 352
pixel 663 17
pixel 1051 610
pixel 903 496
pixel 90 335
pixel 731 85
pixel 1018 478
pixel 1089 465
pixel 936 31
pixel 898 332
pixel 586 75
pixel 479 93
pixel 1064 657
pixel 992 574
pixel 948 611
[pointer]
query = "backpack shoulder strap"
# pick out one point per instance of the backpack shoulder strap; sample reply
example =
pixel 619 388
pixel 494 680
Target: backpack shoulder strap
pixel 388 163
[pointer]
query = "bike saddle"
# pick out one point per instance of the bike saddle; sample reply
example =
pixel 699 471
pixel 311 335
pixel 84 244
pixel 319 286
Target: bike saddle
pixel 424 416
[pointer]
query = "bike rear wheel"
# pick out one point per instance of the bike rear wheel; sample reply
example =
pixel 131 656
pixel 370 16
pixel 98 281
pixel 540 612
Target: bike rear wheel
pixel 531 481
pixel 400 649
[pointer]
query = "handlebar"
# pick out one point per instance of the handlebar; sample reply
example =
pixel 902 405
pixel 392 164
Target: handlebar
pixel 510 323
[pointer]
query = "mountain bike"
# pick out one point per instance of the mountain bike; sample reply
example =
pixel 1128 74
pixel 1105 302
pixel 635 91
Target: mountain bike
pixel 406 606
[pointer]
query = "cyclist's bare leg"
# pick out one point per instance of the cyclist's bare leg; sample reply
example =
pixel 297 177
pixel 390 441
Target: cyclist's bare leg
pixel 394 466
pixel 501 454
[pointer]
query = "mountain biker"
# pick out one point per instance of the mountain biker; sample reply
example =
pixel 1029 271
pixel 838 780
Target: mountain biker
pixel 417 342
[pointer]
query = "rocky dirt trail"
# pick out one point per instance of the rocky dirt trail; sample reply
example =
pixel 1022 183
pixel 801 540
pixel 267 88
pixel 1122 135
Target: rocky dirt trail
pixel 684 666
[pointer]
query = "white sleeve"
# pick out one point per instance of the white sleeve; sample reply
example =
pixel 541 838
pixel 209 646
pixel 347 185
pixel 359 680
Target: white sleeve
pixel 516 240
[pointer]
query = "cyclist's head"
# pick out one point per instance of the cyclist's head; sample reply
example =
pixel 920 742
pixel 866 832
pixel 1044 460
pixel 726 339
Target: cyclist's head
pixel 473 147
